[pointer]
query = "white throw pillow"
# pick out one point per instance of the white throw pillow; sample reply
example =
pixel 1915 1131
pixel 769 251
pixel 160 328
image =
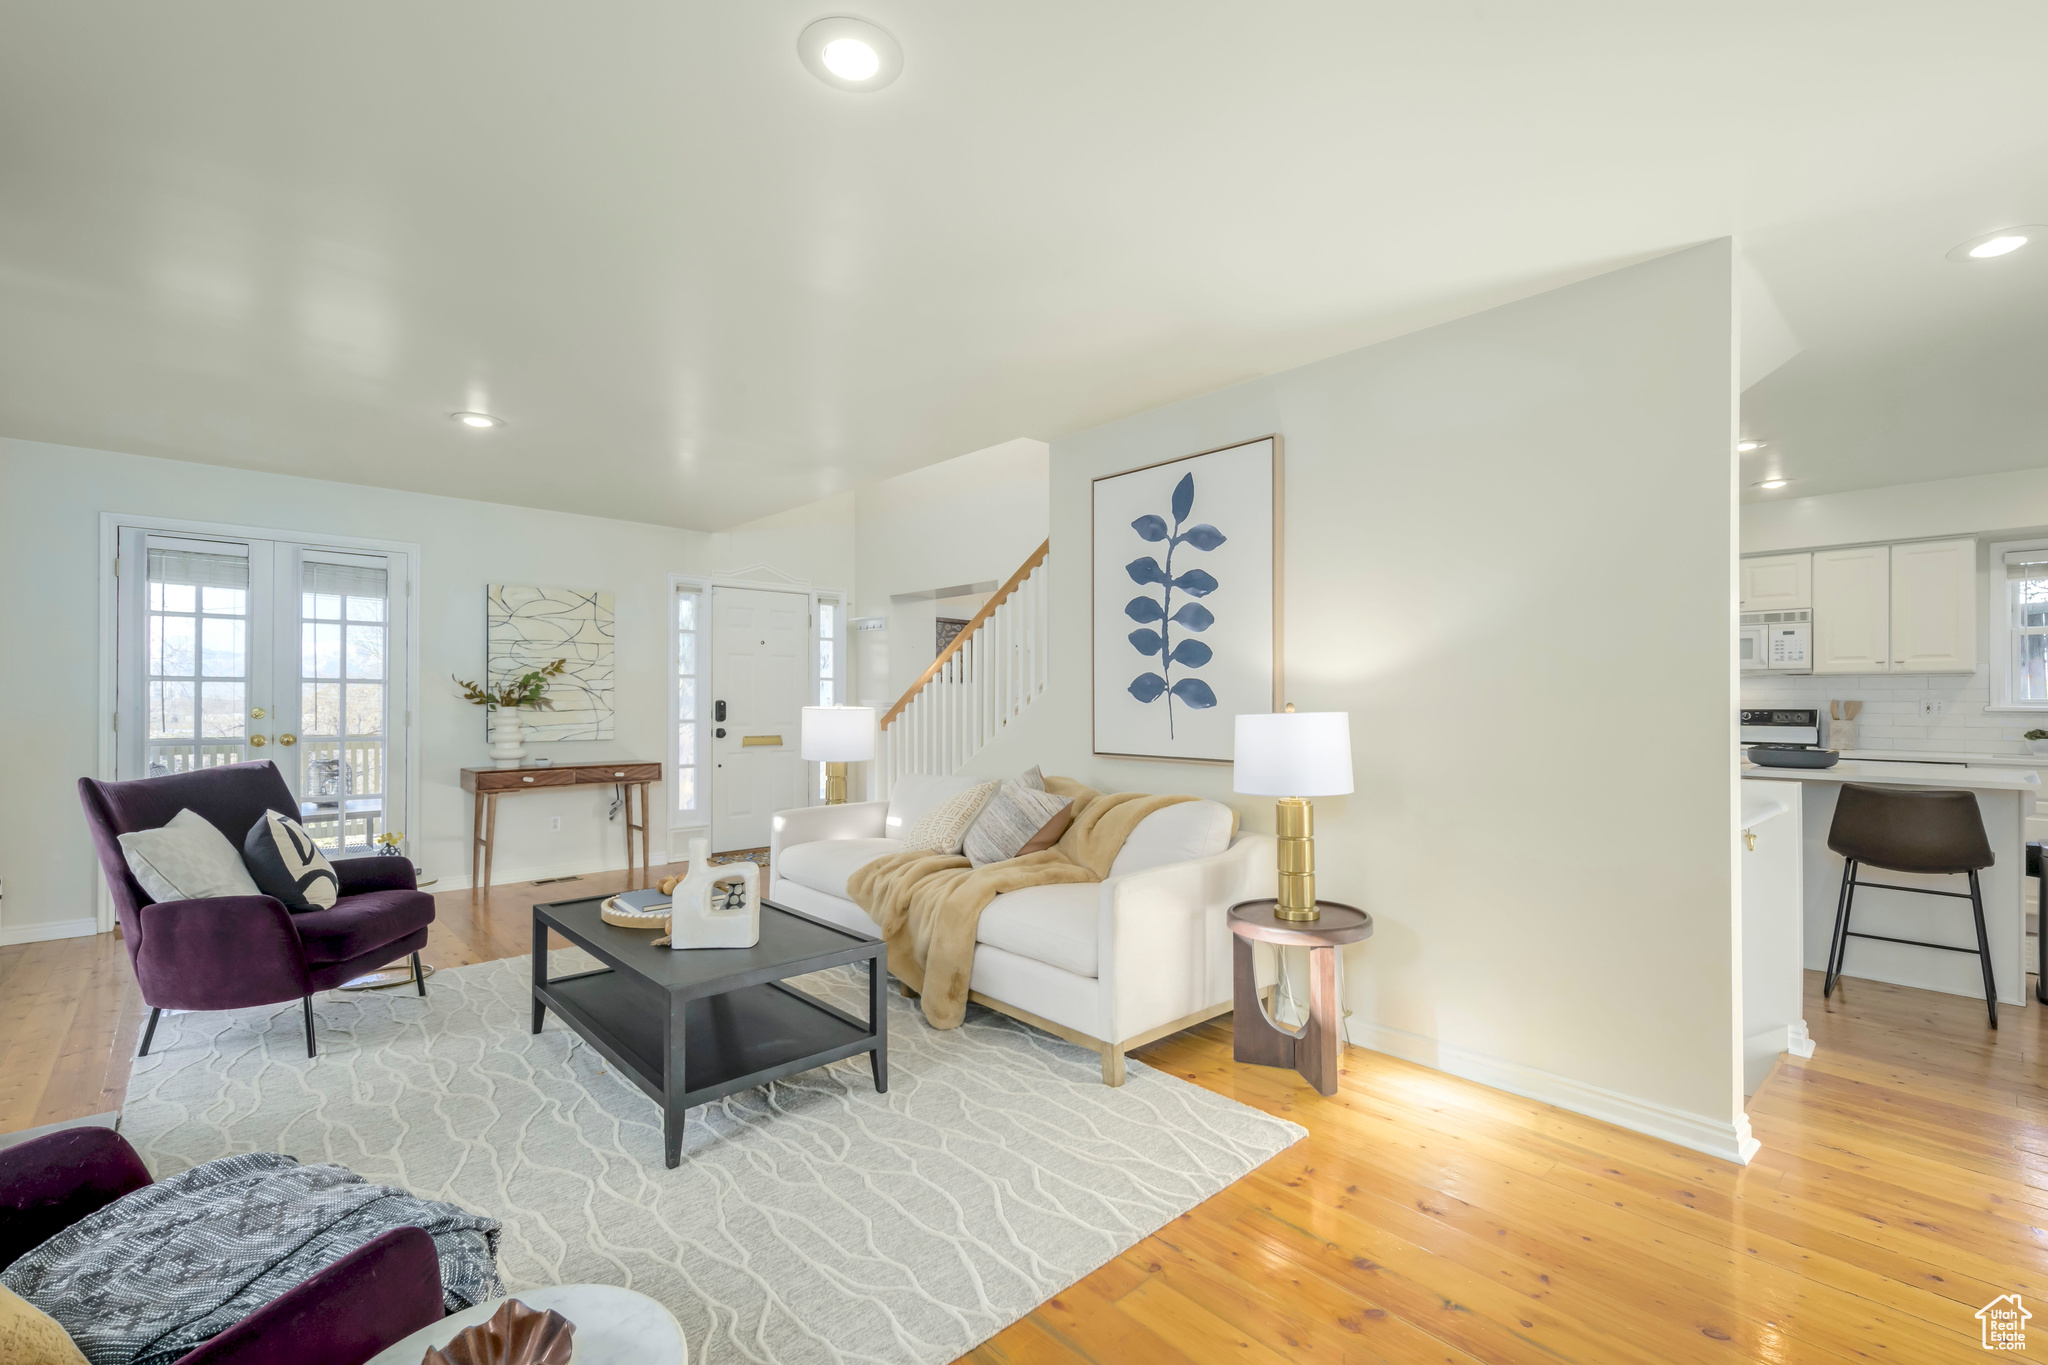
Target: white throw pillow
pixel 946 824
pixel 916 795
pixel 186 860
pixel 1175 834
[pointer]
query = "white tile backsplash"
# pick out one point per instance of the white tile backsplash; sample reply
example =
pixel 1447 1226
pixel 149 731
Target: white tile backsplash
pixel 1891 716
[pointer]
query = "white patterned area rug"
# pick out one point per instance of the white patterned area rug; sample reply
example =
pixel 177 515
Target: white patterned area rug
pixel 811 1220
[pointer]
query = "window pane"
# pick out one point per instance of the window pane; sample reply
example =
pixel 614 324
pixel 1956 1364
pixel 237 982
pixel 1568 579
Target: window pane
pixel 686 699
pixel 170 710
pixel 2032 683
pixel 320 708
pixel 225 601
pixel 825 692
pixel 365 608
pixel 220 710
pixel 179 597
pixel 156 603
pixel 223 645
pixel 365 708
pixel 828 616
pixel 825 658
pixel 322 606
pixel 686 611
pixel 686 743
pixel 365 652
pixel 170 646
pixel 686 789
pixel 686 655
pixel 320 650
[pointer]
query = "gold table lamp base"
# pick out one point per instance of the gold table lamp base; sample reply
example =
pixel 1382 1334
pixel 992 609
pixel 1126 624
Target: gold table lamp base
pixel 835 784
pixel 1295 822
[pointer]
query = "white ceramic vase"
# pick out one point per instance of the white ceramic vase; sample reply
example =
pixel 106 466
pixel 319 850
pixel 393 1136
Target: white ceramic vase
pixel 700 915
pixel 2039 746
pixel 508 737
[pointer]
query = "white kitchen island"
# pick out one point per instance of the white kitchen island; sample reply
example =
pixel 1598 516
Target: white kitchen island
pixel 2005 798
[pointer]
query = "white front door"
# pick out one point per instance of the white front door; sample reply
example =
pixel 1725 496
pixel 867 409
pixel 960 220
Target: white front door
pixel 236 648
pixel 760 675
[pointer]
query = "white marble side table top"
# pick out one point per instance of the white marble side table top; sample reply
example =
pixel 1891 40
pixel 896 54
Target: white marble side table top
pixel 613 1327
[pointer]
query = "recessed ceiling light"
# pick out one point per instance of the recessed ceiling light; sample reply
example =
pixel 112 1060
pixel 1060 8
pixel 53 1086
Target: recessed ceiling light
pixel 477 419
pixel 850 53
pixel 1746 446
pixel 1774 483
pixel 2003 242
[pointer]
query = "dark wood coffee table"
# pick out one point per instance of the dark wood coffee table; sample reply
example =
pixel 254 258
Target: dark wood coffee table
pixel 693 1025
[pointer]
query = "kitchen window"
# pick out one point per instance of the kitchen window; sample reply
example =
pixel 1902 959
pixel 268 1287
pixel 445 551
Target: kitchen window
pixel 2019 625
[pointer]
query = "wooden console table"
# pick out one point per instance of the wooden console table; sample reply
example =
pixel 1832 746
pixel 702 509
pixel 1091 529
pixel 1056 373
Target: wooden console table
pixel 486 785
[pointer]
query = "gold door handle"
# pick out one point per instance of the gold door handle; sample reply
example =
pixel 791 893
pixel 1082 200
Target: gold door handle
pixel 1749 838
pixel 287 740
pixel 258 741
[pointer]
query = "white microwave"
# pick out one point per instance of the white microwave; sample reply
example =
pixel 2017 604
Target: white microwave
pixel 1775 642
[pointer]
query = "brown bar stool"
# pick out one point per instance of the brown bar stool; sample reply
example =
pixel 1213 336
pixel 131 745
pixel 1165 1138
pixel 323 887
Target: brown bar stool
pixel 1909 830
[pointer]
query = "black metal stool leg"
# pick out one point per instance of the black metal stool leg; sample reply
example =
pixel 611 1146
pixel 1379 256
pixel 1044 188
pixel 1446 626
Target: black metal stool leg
pixel 2041 941
pixel 1984 951
pixel 1838 941
pixel 419 977
pixel 149 1032
pixel 311 1050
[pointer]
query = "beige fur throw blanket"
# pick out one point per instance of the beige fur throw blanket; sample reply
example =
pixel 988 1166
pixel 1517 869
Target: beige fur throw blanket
pixel 929 905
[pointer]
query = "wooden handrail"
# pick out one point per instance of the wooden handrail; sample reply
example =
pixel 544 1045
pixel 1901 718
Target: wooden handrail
pixel 973 624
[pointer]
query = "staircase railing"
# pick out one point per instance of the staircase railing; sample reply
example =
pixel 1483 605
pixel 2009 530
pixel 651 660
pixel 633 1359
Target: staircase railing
pixel 983 680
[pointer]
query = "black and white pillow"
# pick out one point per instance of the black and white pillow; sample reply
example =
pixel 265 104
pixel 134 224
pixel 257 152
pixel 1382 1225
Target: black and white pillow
pixel 288 865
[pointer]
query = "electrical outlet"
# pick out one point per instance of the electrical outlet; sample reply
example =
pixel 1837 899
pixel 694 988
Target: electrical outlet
pixel 554 824
pixel 1931 709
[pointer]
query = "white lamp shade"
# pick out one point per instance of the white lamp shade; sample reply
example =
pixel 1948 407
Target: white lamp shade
pixel 839 734
pixel 1294 753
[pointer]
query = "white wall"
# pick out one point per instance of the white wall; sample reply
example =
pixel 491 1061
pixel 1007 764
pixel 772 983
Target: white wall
pixel 50 501
pixel 1463 506
pixel 972 519
pixel 1991 507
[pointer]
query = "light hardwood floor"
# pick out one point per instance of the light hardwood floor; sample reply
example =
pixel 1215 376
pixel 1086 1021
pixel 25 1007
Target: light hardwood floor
pixel 1903 1184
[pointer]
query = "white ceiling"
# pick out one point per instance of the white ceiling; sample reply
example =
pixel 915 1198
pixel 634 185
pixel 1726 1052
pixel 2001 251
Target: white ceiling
pixel 702 286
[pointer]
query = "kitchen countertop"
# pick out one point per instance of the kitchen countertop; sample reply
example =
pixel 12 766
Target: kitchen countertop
pixel 1930 756
pixel 1891 774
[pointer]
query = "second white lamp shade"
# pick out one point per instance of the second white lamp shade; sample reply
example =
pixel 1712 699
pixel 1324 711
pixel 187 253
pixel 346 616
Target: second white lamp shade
pixel 839 734
pixel 1294 753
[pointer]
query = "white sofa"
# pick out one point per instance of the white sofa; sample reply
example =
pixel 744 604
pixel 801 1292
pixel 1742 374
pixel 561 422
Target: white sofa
pixel 1111 965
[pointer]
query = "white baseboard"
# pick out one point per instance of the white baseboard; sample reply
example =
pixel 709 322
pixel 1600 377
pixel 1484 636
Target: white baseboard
pixel 1798 1041
pixel 49 929
pixel 1729 1141
pixel 512 876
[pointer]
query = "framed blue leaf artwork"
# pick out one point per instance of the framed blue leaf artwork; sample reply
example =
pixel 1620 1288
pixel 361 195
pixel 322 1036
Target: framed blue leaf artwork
pixel 1186 593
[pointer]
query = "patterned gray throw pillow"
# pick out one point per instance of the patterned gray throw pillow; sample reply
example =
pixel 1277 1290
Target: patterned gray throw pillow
pixel 288 865
pixel 1017 820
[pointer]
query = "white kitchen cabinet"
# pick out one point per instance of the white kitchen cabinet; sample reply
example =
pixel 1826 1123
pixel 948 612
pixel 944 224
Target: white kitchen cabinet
pixel 1852 613
pixel 1934 607
pixel 1777 583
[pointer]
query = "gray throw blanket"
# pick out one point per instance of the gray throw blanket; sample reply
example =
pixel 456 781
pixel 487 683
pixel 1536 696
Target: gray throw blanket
pixel 163 1268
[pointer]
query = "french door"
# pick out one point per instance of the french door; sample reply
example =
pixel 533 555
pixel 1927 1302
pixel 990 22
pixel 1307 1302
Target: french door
pixel 233 648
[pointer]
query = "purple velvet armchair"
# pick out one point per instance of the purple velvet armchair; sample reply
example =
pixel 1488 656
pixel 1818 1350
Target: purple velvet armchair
pixel 380 1293
pixel 233 952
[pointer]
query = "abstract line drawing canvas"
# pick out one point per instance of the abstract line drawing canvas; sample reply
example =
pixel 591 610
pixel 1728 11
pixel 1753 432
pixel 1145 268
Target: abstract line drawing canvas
pixel 1186 602
pixel 529 628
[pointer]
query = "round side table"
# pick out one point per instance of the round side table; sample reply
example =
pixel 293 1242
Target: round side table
pixel 613 1327
pixel 1312 1048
